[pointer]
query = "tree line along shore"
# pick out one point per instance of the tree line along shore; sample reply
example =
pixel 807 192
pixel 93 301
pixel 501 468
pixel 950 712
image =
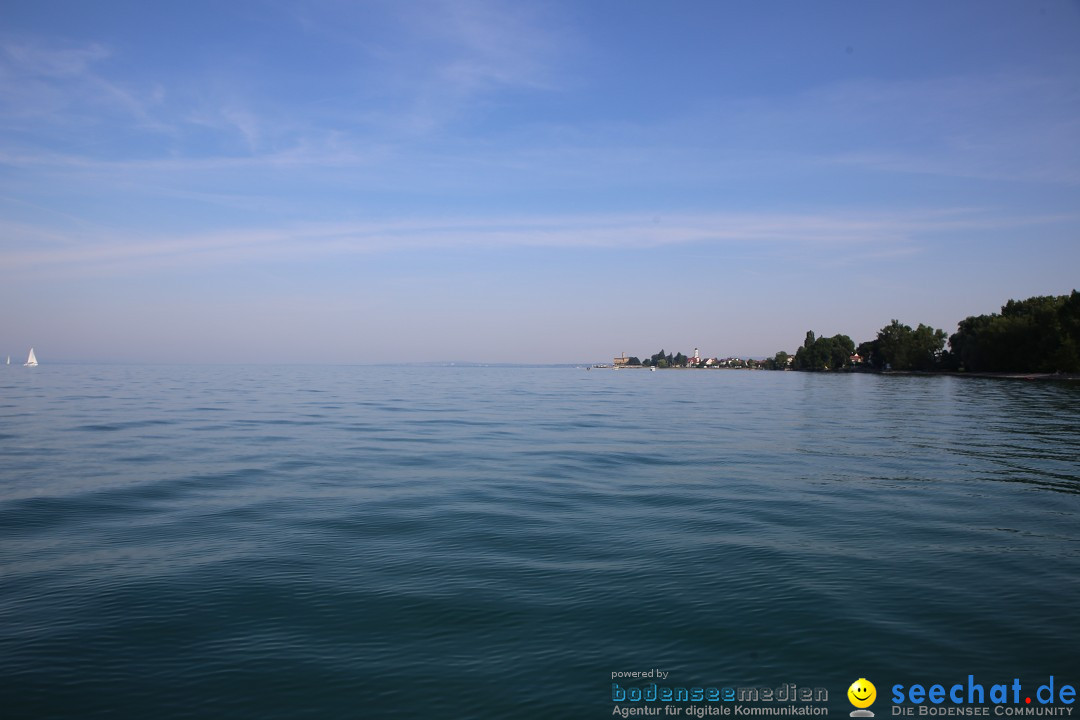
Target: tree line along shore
pixel 1039 335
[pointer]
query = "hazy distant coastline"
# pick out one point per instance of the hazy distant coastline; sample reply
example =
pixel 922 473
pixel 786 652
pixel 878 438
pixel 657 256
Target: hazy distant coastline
pixel 1030 339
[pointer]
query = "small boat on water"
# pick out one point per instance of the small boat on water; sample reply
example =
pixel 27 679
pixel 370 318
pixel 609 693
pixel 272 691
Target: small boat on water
pixel 30 361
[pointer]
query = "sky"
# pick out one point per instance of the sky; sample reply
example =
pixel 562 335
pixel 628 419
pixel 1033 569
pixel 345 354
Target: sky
pixel 323 181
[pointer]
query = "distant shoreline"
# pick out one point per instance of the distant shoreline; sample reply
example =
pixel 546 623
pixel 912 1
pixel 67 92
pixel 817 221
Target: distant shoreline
pixel 867 371
pixel 989 375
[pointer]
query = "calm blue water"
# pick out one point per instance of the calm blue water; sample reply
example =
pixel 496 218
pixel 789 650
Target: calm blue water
pixel 256 542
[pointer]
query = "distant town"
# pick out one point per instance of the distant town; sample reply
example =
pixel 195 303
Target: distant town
pixel 1037 335
pixel 678 360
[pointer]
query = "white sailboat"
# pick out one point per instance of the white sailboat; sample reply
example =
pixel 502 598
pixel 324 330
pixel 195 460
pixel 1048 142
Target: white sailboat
pixel 32 360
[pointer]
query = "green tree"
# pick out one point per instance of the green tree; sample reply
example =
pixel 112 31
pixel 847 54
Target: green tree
pixel 867 350
pixel 777 362
pixel 898 347
pixel 1067 355
pixel 927 345
pixel 1039 334
pixel 840 349
pixel 824 353
pixel 892 346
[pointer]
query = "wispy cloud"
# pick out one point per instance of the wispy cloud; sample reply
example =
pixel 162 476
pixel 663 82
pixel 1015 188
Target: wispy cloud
pixel 429 67
pixel 494 45
pixel 48 85
pixel 997 126
pixel 832 238
pixel 405 71
pixel 440 60
pixel 36 61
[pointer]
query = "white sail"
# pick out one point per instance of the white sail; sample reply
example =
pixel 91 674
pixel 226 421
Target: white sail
pixel 32 360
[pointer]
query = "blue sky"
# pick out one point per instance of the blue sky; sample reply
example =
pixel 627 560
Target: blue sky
pixel 365 182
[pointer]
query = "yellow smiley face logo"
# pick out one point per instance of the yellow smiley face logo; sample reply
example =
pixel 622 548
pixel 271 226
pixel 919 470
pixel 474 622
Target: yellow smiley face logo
pixel 862 693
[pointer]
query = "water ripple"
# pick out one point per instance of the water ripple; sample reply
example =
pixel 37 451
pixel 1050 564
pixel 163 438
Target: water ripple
pixel 313 542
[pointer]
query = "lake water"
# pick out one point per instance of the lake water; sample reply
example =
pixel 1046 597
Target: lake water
pixel 324 542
